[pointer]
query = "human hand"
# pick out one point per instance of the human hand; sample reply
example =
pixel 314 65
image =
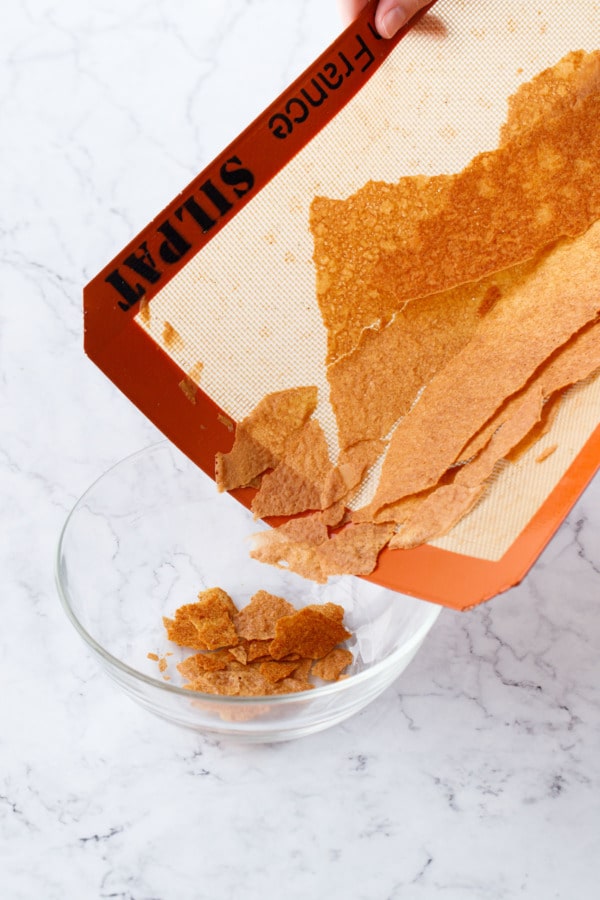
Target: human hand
pixel 391 15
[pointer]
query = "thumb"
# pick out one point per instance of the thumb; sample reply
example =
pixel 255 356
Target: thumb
pixel 391 15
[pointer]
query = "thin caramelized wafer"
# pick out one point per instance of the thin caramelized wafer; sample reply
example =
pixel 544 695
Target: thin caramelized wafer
pixel 305 478
pixel 331 666
pixel 577 359
pixel 310 632
pixel 257 649
pixel 257 620
pixel 261 436
pixel 352 465
pixel 239 653
pixel 354 550
pixel 305 529
pixel 276 670
pixel 377 381
pixel 351 551
pixel 552 92
pixel 205 625
pixel 244 681
pixel 298 555
pixel 292 686
pixel 436 513
pixel 389 244
pixel 298 481
pixel 349 236
pixel 194 666
pixel 513 340
pixel 547 419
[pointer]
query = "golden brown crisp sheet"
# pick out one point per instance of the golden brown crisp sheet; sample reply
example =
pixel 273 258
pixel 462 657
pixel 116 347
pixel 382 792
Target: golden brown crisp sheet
pixel 389 244
pixel 257 620
pixel 205 625
pixel 261 436
pixel 298 482
pixel 330 667
pixel 310 632
pixel 439 511
pixel 552 92
pixel 378 381
pixel 351 551
pixel 512 341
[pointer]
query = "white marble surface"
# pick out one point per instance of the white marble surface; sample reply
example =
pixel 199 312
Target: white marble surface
pixel 476 775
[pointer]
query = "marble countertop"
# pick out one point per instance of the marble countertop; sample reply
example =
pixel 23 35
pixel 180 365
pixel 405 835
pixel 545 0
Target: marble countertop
pixel 476 775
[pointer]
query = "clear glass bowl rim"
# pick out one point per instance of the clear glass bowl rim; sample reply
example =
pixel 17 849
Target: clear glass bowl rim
pixel 338 687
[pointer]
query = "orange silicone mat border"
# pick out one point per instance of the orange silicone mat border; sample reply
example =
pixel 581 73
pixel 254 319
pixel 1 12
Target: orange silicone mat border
pixel 149 377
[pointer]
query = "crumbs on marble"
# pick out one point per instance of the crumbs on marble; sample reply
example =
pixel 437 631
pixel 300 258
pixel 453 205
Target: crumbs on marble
pixel 267 647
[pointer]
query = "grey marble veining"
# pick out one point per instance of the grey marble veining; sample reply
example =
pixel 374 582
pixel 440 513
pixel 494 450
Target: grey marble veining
pixel 475 776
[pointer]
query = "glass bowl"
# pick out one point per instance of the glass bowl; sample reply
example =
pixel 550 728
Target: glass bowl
pixel 150 534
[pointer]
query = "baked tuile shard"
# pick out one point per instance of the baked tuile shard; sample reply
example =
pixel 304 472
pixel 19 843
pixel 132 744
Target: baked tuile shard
pixel 501 210
pixel 257 620
pixel 514 339
pixel 305 478
pixel 377 382
pixel 576 360
pixel 205 625
pixel 331 667
pixel 261 436
pixel 434 515
pixel 351 551
pixel 298 481
pixel 552 92
pixel 310 632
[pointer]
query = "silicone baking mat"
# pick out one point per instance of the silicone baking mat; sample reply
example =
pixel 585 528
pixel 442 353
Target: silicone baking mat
pixel 214 305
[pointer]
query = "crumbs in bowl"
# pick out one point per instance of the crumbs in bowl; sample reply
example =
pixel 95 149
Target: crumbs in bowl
pixel 268 647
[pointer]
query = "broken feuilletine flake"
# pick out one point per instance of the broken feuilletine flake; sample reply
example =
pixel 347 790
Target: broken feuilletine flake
pixel 267 647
